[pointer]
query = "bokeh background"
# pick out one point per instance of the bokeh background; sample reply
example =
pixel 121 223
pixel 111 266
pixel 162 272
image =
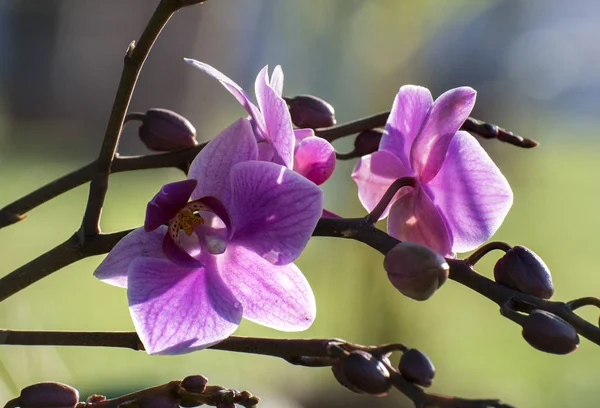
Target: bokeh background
pixel 535 64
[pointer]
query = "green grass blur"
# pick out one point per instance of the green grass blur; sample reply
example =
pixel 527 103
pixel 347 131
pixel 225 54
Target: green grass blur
pixel 476 352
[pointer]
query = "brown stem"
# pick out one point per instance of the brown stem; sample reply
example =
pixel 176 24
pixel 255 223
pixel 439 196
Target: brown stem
pixel 134 60
pixel 485 249
pixel 379 209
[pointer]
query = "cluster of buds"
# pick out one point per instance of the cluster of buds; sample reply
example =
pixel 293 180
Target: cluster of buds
pixel 365 373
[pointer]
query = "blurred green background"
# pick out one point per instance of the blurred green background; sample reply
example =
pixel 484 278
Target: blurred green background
pixel 537 72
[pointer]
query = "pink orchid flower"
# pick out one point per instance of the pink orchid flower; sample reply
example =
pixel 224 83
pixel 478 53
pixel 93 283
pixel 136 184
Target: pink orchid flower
pixel 225 254
pixel 461 197
pixel 299 149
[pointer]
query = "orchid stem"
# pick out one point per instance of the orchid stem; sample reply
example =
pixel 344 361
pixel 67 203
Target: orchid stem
pixel 485 249
pixel 379 209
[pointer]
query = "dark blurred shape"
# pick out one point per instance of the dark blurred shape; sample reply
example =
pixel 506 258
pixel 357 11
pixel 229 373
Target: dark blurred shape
pixel 308 111
pixel 416 367
pixel 361 372
pixel 48 395
pixel 415 270
pixel 521 269
pixel 549 333
pixel 164 130
pixel 367 141
pixel 161 401
pixel 195 383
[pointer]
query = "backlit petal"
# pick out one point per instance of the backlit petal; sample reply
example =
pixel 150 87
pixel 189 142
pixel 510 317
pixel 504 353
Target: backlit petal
pixel 277 80
pixel 408 114
pixel 374 173
pixel 277 120
pixel 447 115
pixel 212 165
pixel 471 193
pixel 315 159
pixel 274 210
pixel 232 87
pixel 413 217
pixel 138 243
pixel 274 296
pixel 177 310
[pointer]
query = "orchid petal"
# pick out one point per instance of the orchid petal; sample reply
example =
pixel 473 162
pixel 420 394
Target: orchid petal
pixel 447 115
pixel 277 119
pixel 274 210
pixel 177 310
pixel 167 202
pixel 233 88
pixel 471 193
pixel 315 159
pixel 302 134
pixel 414 217
pixel 177 254
pixel 409 113
pixel 374 173
pixel 138 243
pixel 277 80
pixel 212 165
pixel 279 297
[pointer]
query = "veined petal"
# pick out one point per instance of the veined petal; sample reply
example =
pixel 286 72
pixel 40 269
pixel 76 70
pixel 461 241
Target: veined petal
pixel 233 88
pixel 408 114
pixel 277 80
pixel 177 310
pixel 274 210
pixel 167 202
pixel 138 243
pixel 314 159
pixel 471 193
pixel 277 119
pixel 274 296
pixel 447 115
pixel 374 173
pixel 414 217
pixel 212 165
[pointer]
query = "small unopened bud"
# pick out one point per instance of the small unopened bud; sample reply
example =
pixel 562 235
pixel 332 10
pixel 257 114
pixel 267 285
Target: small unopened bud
pixel 361 372
pixel 225 405
pixel 521 269
pixel 195 383
pixel 549 333
pixel 416 367
pixel 308 111
pixel 164 130
pixel 48 395
pixel 159 401
pixel 415 270
pixel 367 141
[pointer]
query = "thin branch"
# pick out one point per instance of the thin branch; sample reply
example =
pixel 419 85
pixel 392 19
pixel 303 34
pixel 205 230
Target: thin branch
pixel 585 301
pixel 134 60
pixel 475 126
pixel 379 209
pixel 485 249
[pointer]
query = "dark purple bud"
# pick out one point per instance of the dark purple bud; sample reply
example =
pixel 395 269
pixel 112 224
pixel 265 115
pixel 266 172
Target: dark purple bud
pixel 367 141
pixel 521 269
pixel 548 332
pixel 48 395
pixel 225 405
pixel 308 111
pixel 416 367
pixel 159 401
pixel 361 372
pixel 415 270
pixel 164 130
pixel 195 383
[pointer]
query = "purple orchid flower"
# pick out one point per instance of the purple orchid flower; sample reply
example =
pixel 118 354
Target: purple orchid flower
pixel 461 197
pixel 299 149
pixel 227 253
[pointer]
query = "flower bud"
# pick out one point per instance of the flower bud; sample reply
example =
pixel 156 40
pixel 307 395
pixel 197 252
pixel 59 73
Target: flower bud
pixel 195 383
pixel 164 130
pixel 361 372
pixel 415 270
pixel 308 111
pixel 521 269
pixel 549 333
pixel 48 395
pixel 367 141
pixel 416 367
pixel 158 401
